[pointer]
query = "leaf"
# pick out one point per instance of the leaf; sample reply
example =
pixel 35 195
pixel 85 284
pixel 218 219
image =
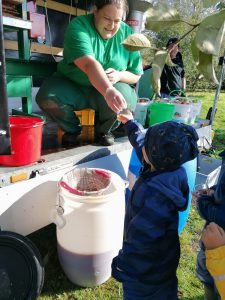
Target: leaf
pixel 135 42
pixel 195 52
pixel 161 57
pixel 210 33
pixel 169 61
pixel 206 67
pixel 204 63
pixel 153 81
pixel 161 17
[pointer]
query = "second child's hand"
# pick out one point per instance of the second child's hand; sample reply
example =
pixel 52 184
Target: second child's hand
pixel 213 236
pixel 123 116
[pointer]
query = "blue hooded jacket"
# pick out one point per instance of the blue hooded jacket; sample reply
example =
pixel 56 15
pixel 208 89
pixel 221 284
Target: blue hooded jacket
pixel 151 248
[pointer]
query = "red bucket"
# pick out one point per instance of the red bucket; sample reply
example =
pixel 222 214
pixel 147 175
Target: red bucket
pixel 26 138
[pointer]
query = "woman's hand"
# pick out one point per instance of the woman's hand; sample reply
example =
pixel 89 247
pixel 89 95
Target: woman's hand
pixel 115 99
pixel 213 236
pixel 113 75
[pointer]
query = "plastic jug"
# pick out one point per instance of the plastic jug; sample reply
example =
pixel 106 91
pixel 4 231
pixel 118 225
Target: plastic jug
pixel 90 231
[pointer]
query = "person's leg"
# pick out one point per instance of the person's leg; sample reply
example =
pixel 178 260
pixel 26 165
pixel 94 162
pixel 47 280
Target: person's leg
pixel 205 277
pixel 136 290
pixel 209 293
pixel 58 98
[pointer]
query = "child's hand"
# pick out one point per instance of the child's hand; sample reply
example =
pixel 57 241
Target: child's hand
pixel 213 236
pixel 200 190
pixel 125 115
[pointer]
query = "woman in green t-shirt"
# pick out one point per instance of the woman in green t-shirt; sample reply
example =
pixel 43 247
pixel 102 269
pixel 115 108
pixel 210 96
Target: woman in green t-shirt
pixel 96 72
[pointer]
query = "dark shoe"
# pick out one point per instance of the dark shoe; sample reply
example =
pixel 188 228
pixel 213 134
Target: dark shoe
pixel 105 139
pixel 70 139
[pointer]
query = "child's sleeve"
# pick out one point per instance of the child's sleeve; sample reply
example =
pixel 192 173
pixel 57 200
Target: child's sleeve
pixel 211 211
pixel 219 193
pixel 136 136
pixel 215 262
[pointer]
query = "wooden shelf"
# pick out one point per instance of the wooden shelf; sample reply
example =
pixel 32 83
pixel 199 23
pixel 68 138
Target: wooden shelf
pixel 16 23
pixel 63 8
pixel 34 47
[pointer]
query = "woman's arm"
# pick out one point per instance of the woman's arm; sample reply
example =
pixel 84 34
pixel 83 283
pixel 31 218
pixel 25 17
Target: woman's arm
pixel 100 81
pixel 115 76
pixel 129 77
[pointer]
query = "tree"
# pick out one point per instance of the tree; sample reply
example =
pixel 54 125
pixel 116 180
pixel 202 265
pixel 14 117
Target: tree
pixel 205 34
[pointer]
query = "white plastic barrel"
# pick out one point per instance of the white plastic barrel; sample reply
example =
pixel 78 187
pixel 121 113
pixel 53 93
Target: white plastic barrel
pixel 90 232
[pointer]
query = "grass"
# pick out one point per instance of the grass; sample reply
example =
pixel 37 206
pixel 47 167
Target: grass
pixel 218 125
pixel 57 286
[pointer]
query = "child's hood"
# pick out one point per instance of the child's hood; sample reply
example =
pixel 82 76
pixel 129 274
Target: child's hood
pixel 173 185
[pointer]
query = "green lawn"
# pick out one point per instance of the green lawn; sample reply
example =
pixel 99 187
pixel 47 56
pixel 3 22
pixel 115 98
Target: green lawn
pixel 57 286
pixel 219 121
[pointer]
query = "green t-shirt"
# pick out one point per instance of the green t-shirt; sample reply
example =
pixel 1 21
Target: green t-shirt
pixel 81 39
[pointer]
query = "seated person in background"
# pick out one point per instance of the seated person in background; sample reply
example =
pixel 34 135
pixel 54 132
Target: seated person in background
pixel 211 207
pixel 173 78
pixel 96 72
pixel 147 263
pixel 213 237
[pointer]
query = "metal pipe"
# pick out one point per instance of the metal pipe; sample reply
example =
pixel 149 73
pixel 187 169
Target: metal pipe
pixel 212 117
pixel 5 142
pixel 137 11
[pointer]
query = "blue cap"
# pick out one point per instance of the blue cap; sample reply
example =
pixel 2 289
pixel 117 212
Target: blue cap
pixel 168 145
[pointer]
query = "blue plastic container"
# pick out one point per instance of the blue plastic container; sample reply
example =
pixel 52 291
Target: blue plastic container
pixel 133 172
pixel 190 167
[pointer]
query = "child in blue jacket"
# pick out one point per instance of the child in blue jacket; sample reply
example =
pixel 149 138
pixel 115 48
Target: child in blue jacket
pixel 147 263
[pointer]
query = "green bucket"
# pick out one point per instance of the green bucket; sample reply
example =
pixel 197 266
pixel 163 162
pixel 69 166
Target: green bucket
pixel 160 112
